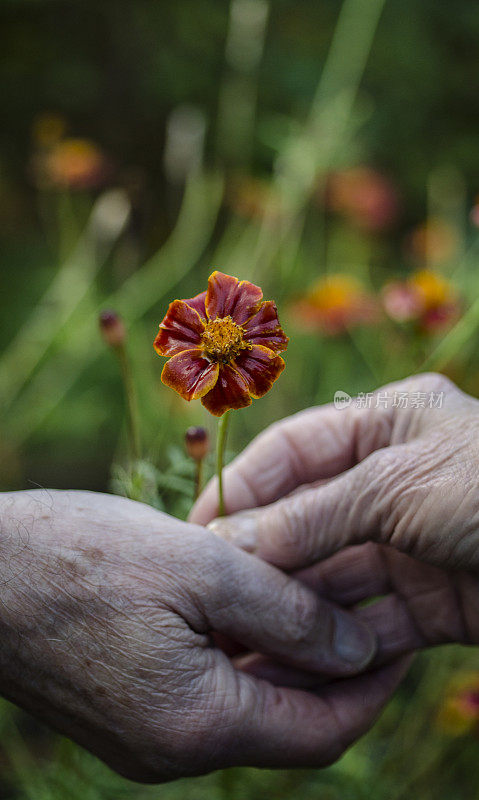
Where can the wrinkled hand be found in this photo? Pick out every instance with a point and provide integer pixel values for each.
(406, 479)
(106, 614)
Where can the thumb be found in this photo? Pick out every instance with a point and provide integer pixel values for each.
(269, 612)
(376, 500)
(273, 726)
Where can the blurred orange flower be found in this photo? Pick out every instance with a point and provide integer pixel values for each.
(223, 345)
(363, 195)
(253, 198)
(459, 712)
(433, 242)
(426, 298)
(72, 164)
(336, 303)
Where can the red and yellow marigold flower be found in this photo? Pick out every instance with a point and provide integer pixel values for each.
(222, 345)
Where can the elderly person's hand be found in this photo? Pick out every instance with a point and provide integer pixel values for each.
(405, 478)
(107, 609)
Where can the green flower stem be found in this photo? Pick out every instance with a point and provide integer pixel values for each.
(220, 452)
(198, 478)
(131, 404)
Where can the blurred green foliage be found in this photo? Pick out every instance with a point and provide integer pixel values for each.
(221, 127)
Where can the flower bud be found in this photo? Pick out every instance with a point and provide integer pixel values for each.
(112, 328)
(197, 443)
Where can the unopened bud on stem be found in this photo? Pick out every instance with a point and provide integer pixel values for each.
(197, 443)
(112, 328)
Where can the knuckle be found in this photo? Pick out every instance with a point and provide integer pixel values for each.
(380, 482)
(436, 381)
(427, 381)
(301, 621)
(375, 474)
(286, 530)
(213, 570)
(398, 490)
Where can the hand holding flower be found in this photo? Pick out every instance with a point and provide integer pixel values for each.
(402, 479)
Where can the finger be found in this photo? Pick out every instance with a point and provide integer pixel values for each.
(396, 634)
(385, 499)
(267, 669)
(425, 604)
(423, 607)
(281, 727)
(428, 615)
(354, 574)
(315, 444)
(350, 576)
(267, 611)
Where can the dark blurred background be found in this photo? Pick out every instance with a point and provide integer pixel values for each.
(325, 150)
(119, 73)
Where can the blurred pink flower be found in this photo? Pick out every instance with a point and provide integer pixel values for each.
(401, 301)
(425, 298)
(363, 195)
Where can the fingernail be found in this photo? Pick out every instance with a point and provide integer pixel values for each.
(239, 529)
(353, 643)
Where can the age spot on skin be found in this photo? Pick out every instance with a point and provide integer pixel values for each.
(94, 554)
(75, 569)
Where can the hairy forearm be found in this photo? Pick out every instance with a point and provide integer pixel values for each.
(40, 591)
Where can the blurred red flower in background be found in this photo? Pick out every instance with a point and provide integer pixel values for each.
(74, 164)
(223, 345)
(459, 713)
(334, 304)
(364, 196)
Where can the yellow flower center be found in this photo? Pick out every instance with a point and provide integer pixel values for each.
(223, 339)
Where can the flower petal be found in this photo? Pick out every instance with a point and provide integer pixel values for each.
(264, 328)
(259, 367)
(190, 374)
(181, 329)
(227, 296)
(198, 303)
(230, 391)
